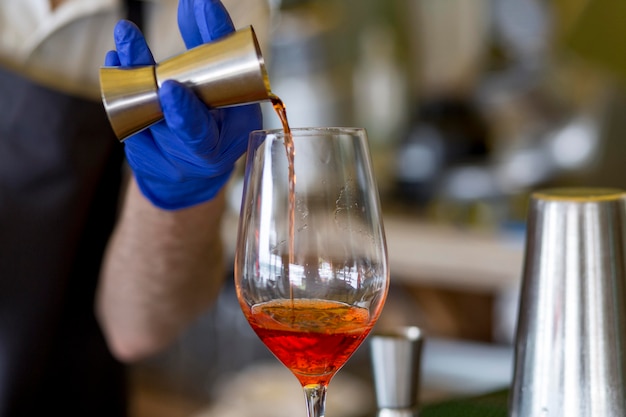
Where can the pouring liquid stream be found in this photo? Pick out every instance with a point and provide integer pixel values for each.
(290, 150)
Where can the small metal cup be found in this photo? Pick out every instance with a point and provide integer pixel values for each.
(396, 363)
(228, 72)
(570, 355)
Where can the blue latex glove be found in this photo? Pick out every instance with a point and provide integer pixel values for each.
(189, 156)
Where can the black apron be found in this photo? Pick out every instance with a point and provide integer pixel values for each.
(60, 174)
(60, 177)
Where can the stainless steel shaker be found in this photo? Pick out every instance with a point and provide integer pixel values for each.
(227, 72)
(396, 365)
(570, 353)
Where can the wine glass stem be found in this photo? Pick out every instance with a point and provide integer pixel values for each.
(315, 395)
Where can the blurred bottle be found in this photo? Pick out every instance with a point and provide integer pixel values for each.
(447, 45)
(446, 132)
(308, 64)
(381, 97)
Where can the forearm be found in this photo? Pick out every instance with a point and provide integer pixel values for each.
(161, 270)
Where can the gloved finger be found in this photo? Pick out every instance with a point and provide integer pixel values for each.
(236, 123)
(187, 24)
(111, 59)
(201, 21)
(131, 45)
(147, 159)
(212, 19)
(189, 118)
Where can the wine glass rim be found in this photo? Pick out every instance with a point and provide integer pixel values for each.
(304, 131)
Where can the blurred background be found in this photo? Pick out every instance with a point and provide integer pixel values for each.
(470, 105)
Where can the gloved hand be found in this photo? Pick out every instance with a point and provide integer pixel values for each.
(189, 156)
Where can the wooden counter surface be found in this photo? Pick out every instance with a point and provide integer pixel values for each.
(440, 256)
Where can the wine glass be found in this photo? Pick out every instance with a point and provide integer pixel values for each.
(311, 269)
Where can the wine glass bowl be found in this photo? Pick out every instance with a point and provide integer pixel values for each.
(311, 269)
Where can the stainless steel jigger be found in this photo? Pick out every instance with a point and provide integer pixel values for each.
(570, 357)
(396, 363)
(228, 72)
